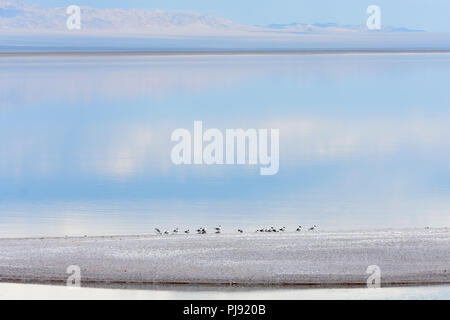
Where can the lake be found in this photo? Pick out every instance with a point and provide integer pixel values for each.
(85, 142)
(39, 292)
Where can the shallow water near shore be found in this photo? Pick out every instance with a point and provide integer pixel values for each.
(85, 142)
(28, 291)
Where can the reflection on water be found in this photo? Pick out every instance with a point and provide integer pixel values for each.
(27, 291)
(85, 142)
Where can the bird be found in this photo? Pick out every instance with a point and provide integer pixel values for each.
(299, 229)
(201, 230)
(175, 231)
(186, 231)
(312, 228)
(158, 231)
(166, 232)
(240, 231)
(218, 229)
(283, 229)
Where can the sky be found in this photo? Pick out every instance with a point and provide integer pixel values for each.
(429, 15)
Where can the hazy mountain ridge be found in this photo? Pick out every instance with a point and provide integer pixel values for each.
(16, 16)
(331, 27)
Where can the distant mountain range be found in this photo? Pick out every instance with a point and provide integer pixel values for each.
(331, 27)
(18, 17)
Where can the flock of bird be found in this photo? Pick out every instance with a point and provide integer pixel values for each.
(218, 229)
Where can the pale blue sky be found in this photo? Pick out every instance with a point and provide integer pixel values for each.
(430, 15)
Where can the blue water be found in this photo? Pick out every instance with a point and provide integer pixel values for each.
(27, 291)
(85, 142)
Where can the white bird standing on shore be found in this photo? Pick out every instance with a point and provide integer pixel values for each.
(202, 230)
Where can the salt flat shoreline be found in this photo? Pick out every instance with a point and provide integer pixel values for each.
(328, 259)
(146, 53)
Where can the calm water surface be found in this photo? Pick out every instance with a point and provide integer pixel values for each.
(26, 291)
(85, 142)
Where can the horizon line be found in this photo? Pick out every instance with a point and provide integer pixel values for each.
(175, 52)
